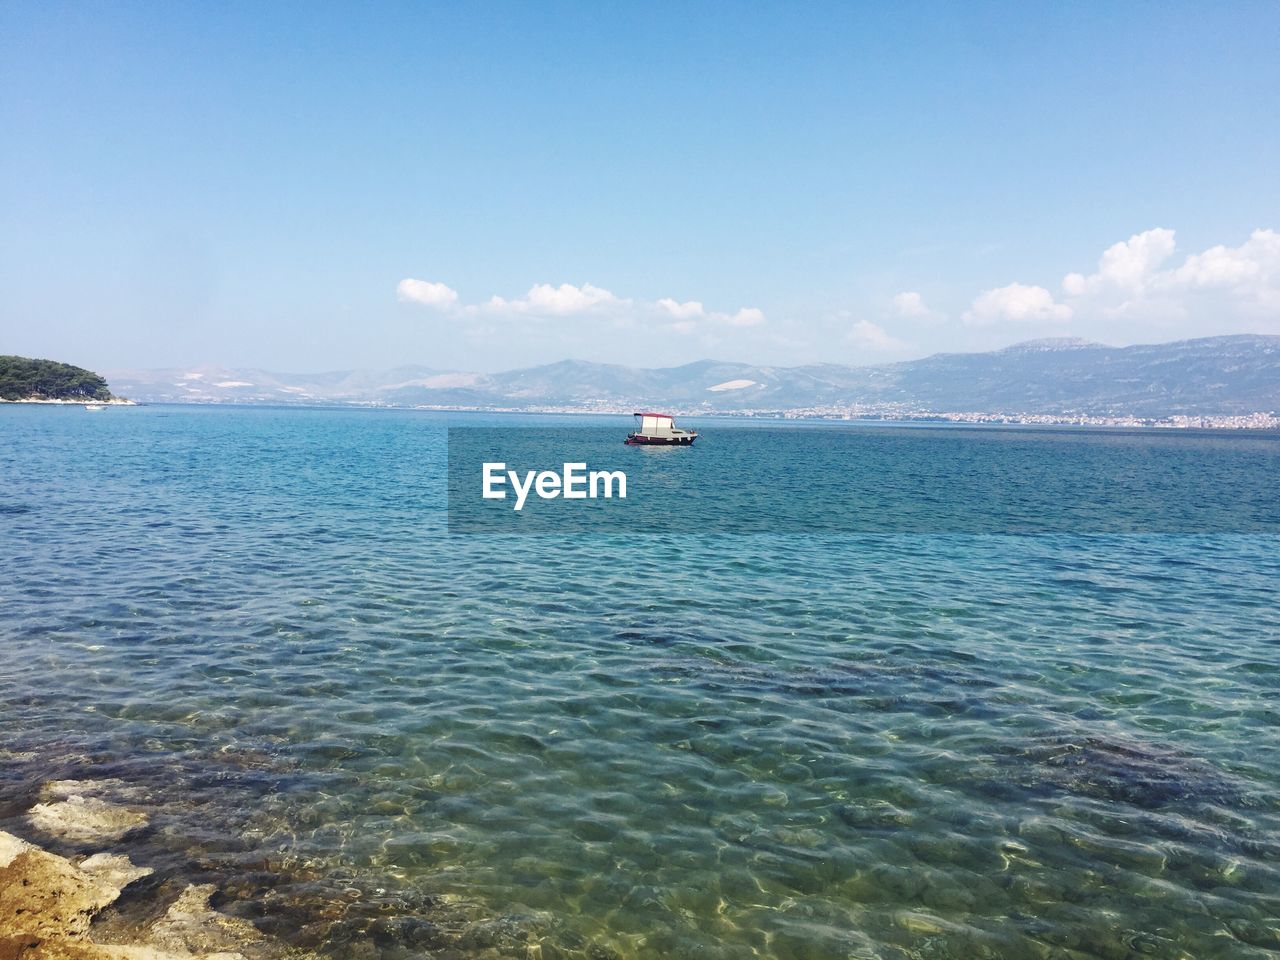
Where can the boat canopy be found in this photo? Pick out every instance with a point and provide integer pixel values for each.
(654, 424)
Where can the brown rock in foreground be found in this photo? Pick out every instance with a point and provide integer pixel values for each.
(47, 904)
(45, 897)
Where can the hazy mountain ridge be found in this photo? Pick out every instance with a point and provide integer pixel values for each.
(1208, 376)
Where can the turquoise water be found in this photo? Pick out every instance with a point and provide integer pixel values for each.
(388, 742)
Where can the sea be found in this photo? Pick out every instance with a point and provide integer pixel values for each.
(834, 732)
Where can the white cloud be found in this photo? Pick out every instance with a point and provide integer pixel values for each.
(1239, 283)
(872, 336)
(691, 316)
(565, 300)
(568, 300)
(1143, 287)
(435, 295)
(1016, 303)
(911, 306)
(1252, 268)
(1126, 266)
(746, 317)
(681, 311)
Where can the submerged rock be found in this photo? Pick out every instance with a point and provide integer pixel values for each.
(113, 868)
(83, 819)
(192, 927)
(1124, 770)
(509, 935)
(116, 789)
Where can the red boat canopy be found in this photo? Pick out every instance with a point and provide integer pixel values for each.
(664, 416)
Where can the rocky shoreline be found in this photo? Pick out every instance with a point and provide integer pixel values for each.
(106, 867)
(55, 907)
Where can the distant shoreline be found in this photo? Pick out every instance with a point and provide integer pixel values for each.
(1262, 422)
(61, 402)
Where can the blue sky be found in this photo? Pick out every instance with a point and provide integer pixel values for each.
(315, 186)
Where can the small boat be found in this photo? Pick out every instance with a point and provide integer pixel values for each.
(95, 406)
(659, 429)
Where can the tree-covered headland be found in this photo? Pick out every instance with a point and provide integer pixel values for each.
(22, 378)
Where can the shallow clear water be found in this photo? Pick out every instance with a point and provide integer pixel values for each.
(383, 740)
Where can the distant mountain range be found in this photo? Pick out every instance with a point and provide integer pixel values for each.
(1208, 376)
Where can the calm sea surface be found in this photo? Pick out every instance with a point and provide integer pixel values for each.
(386, 741)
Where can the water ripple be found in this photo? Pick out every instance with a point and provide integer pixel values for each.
(377, 738)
